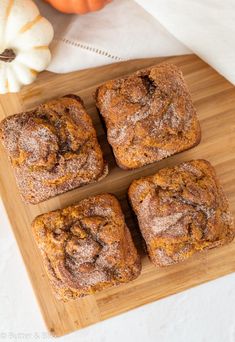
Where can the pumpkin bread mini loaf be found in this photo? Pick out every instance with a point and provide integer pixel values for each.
(149, 115)
(52, 148)
(181, 210)
(86, 247)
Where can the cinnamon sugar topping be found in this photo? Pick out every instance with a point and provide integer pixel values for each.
(53, 149)
(181, 210)
(87, 247)
(149, 115)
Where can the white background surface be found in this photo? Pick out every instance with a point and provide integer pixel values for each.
(202, 314)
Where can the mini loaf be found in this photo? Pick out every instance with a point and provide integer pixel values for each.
(52, 148)
(149, 115)
(86, 247)
(181, 210)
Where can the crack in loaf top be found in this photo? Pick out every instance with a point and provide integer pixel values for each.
(52, 148)
(149, 115)
(86, 247)
(181, 210)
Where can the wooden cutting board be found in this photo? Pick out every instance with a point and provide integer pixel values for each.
(214, 99)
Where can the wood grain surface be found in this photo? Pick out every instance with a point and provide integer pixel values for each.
(214, 99)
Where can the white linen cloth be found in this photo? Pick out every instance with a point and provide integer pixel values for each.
(122, 30)
(207, 27)
(128, 29)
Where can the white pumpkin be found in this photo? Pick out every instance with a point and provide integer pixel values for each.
(24, 39)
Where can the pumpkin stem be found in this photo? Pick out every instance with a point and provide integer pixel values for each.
(8, 55)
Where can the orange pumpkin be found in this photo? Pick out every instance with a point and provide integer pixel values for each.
(78, 6)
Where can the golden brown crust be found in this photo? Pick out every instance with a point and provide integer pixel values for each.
(149, 115)
(181, 210)
(52, 148)
(86, 247)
